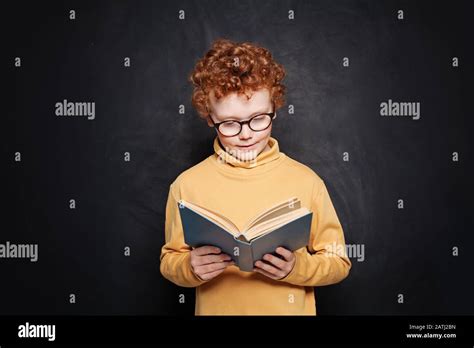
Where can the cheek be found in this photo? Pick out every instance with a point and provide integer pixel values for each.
(225, 141)
(265, 133)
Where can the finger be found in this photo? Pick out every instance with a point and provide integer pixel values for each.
(211, 275)
(265, 273)
(276, 261)
(269, 268)
(207, 249)
(210, 258)
(213, 267)
(287, 254)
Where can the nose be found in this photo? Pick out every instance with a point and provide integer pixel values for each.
(246, 132)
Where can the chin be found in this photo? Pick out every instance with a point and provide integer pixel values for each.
(250, 153)
(246, 153)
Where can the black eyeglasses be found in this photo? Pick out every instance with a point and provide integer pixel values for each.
(257, 123)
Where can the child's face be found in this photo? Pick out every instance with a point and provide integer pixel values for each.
(239, 108)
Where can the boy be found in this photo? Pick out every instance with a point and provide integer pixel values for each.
(237, 90)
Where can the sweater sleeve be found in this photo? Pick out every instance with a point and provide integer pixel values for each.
(175, 255)
(324, 261)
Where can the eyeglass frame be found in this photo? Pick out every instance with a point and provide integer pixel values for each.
(241, 123)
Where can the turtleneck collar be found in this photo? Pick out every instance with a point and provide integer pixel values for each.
(263, 157)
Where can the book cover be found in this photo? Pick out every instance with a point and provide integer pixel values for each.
(200, 230)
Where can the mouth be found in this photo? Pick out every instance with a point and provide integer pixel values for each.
(246, 146)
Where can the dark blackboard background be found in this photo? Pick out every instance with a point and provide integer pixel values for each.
(337, 109)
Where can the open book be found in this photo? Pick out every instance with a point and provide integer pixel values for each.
(286, 224)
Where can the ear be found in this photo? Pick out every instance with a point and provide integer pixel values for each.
(209, 123)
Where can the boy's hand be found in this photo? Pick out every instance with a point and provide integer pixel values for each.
(208, 262)
(276, 268)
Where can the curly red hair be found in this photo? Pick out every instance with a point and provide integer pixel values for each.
(235, 67)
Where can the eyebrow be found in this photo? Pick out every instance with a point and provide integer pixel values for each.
(228, 118)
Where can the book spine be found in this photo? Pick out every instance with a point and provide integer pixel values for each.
(245, 257)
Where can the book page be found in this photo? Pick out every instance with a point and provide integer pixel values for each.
(278, 209)
(214, 217)
(286, 209)
(275, 223)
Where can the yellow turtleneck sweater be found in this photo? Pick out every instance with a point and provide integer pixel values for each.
(240, 190)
